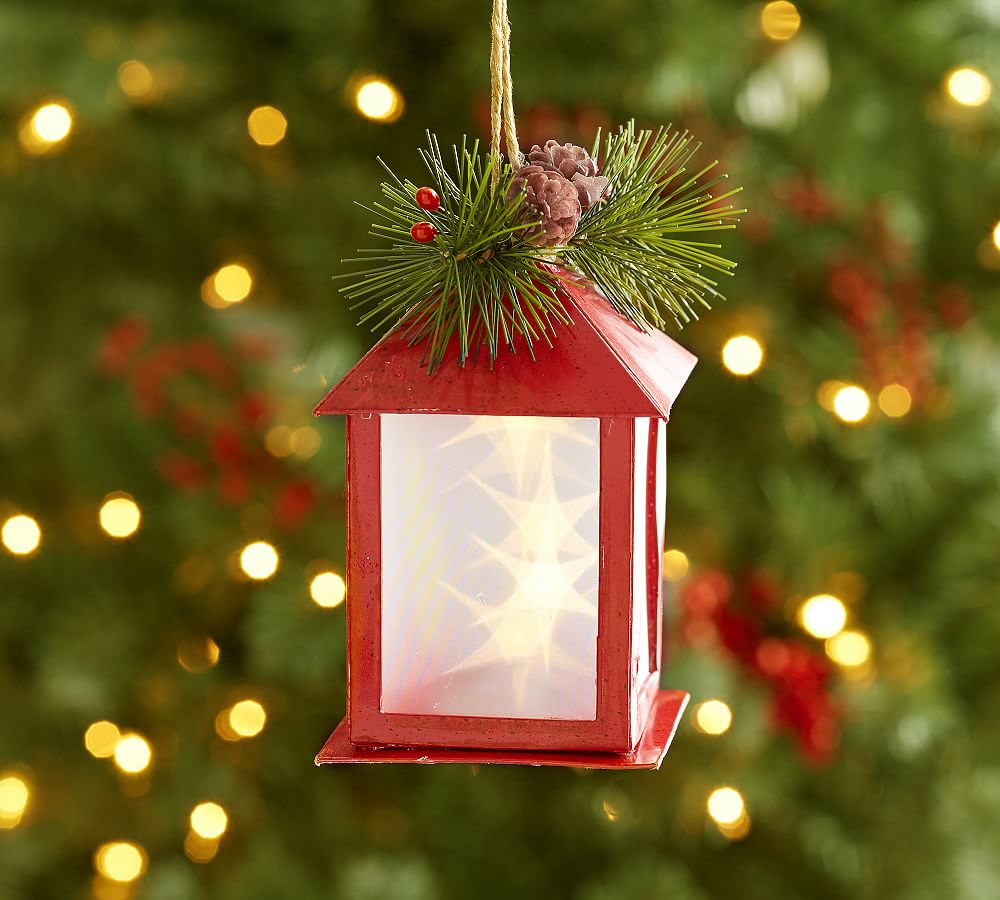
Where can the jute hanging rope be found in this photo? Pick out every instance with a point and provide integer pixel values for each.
(502, 92)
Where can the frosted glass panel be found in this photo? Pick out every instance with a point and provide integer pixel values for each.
(640, 554)
(490, 566)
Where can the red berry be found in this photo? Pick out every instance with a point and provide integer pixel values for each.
(423, 232)
(428, 198)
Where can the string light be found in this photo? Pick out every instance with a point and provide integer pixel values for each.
(780, 20)
(14, 797)
(713, 717)
(135, 79)
(101, 739)
(120, 861)
(246, 719)
(209, 820)
(851, 404)
(47, 127)
(120, 515)
(742, 355)
(675, 565)
(21, 535)
(259, 560)
(267, 125)
(823, 615)
(198, 654)
(968, 86)
(849, 648)
(232, 283)
(894, 400)
(725, 805)
(133, 754)
(327, 589)
(996, 235)
(377, 99)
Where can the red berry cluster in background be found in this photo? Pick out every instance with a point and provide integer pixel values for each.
(716, 613)
(215, 421)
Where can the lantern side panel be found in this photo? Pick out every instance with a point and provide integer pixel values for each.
(490, 565)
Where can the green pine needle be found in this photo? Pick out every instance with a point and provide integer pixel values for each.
(482, 281)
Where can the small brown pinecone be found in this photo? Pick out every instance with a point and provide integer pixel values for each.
(551, 197)
(577, 165)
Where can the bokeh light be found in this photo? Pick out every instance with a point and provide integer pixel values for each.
(851, 404)
(849, 648)
(232, 283)
(713, 717)
(742, 355)
(305, 442)
(278, 440)
(199, 849)
(246, 718)
(101, 739)
(823, 615)
(725, 805)
(120, 515)
(120, 861)
(377, 99)
(675, 565)
(198, 654)
(259, 560)
(21, 535)
(51, 123)
(135, 79)
(780, 20)
(996, 235)
(14, 797)
(209, 820)
(327, 589)
(133, 754)
(968, 86)
(267, 125)
(894, 400)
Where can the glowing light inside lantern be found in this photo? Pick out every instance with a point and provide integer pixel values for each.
(377, 99)
(713, 717)
(21, 535)
(823, 616)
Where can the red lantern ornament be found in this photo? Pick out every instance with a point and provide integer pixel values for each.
(429, 199)
(505, 531)
(423, 232)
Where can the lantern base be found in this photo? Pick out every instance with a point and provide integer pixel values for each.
(648, 754)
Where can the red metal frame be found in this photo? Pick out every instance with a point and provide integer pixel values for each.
(623, 700)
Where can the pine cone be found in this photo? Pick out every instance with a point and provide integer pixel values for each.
(577, 165)
(552, 197)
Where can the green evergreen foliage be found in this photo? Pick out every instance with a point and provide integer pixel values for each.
(873, 199)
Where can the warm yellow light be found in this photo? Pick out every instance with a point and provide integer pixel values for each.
(894, 400)
(247, 718)
(209, 820)
(737, 830)
(120, 861)
(327, 589)
(278, 440)
(713, 717)
(133, 754)
(135, 79)
(780, 20)
(101, 739)
(267, 125)
(851, 404)
(14, 796)
(232, 283)
(377, 99)
(849, 648)
(198, 654)
(120, 515)
(823, 616)
(259, 560)
(199, 849)
(21, 535)
(742, 355)
(996, 235)
(305, 442)
(675, 565)
(51, 123)
(726, 806)
(826, 393)
(968, 86)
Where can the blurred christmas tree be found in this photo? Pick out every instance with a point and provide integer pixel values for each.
(176, 189)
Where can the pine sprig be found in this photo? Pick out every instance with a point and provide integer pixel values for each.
(479, 280)
(482, 282)
(642, 245)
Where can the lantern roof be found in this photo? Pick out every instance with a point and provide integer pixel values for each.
(602, 365)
